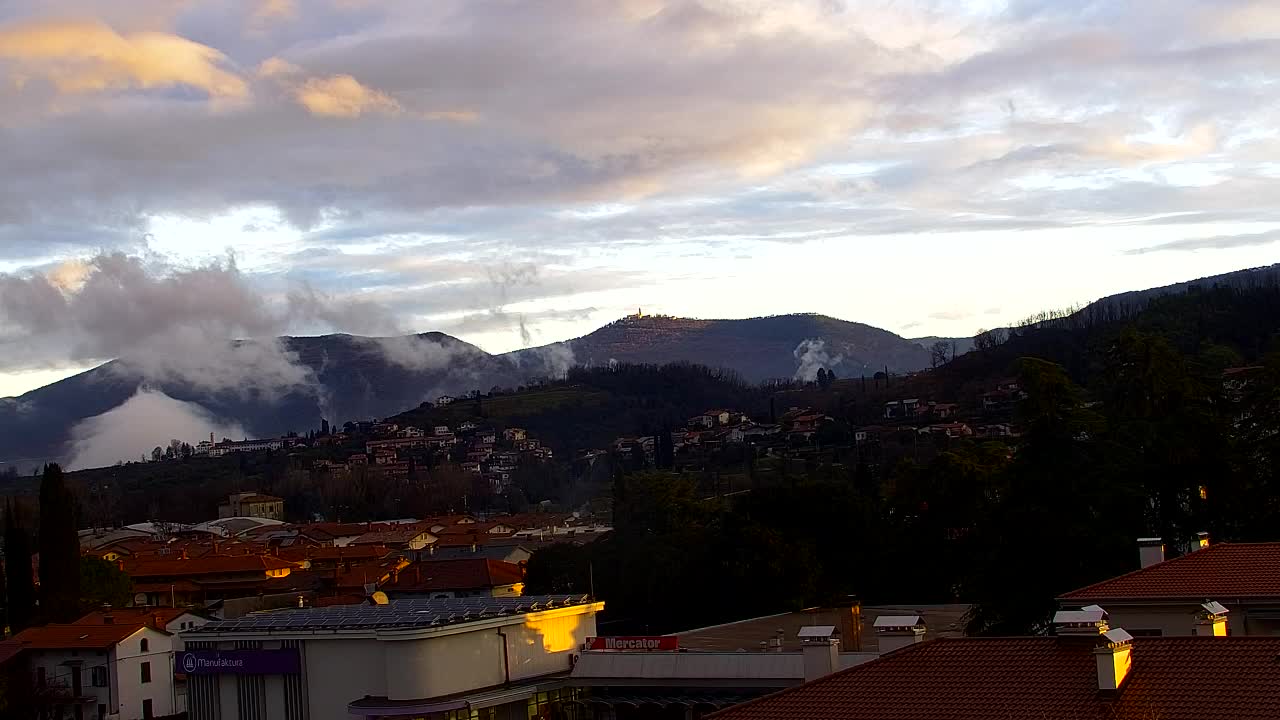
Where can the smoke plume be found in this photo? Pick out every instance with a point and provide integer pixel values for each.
(811, 355)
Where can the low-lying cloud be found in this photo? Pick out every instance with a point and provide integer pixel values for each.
(148, 419)
(167, 323)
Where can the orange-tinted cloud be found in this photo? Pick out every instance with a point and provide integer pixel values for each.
(344, 96)
(78, 57)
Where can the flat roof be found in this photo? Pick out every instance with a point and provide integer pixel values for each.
(942, 621)
(396, 615)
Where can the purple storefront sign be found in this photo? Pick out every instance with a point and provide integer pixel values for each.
(239, 662)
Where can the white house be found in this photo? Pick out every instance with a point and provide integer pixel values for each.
(114, 671)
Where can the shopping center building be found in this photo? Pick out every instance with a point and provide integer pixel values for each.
(481, 658)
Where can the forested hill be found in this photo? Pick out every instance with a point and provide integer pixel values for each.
(1159, 418)
(757, 349)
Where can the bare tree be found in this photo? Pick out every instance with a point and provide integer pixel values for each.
(939, 353)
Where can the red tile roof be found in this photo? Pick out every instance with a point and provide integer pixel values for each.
(1045, 678)
(397, 536)
(207, 565)
(1225, 570)
(58, 637)
(154, 616)
(459, 574)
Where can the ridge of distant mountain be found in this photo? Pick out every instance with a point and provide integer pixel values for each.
(347, 377)
(352, 377)
(758, 349)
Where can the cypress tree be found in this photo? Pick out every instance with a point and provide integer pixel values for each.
(59, 549)
(20, 593)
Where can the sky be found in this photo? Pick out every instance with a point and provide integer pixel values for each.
(516, 173)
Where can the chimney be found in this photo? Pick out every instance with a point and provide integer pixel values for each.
(1201, 542)
(821, 651)
(1114, 658)
(108, 618)
(1211, 621)
(1150, 551)
(894, 632)
(155, 622)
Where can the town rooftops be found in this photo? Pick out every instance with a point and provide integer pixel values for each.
(455, 574)
(207, 565)
(76, 636)
(394, 536)
(1171, 678)
(395, 615)
(1224, 570)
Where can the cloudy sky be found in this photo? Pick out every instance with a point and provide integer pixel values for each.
(517, 172)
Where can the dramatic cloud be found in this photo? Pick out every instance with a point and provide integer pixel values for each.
(715, 157)
(147, 419)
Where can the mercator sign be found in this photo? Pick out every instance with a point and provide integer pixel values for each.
(639, 643)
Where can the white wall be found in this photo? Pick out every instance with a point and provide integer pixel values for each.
(543, 644)
(443, 665)
(339, 671)
(132, 691)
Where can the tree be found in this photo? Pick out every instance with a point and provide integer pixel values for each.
(990, 339)
(938, 353)
(20, 594)
(157, 454)
(59, 549)
(102, 583)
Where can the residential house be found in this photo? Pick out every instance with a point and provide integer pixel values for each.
(394, 444)
(441, 430)
(409, 537)
(704, 421)
(252, 504)
(1167, 597)
(412, 432)
(514, 435)
(951, 430)
(118, 670)
(333, 533)
(943, 411)
(171, 620)
(226, 447)
(461, 577)
(444, 400)
(189, 581)
(998, 430)
(514, 554)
